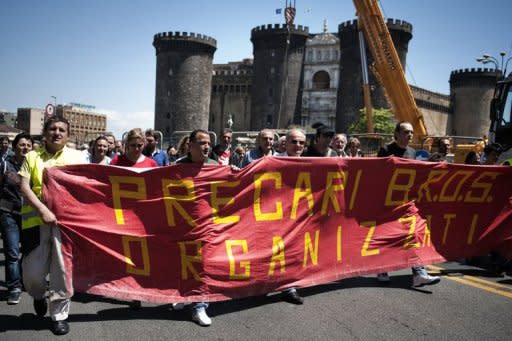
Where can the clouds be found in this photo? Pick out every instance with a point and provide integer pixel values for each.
(121, 122)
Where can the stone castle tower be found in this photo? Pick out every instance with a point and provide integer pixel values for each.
(471, 93)
(350, 93)
(184, 67)
(277, 75)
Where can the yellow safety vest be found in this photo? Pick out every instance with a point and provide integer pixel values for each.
(29, 217)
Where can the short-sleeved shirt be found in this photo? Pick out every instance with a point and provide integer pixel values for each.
(393, 149)
(161, 157)
(38, 159)
(123, 161)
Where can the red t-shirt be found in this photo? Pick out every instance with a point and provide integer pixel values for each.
(122, 160)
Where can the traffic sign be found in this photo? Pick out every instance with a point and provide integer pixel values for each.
(49, 110)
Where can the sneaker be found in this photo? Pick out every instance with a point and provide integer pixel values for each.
(422, 278)
(178, 306)
(383, 278)
(40, 306)
(292, 296)
(199, 315)
(14, 297)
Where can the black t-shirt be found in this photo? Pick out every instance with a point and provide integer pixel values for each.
(313, 152)
(393, 149)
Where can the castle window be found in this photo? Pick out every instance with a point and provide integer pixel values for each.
(168, 115)
(321, 80)
(272, 70)
(310, 56)
(270, 92)
(318, 55)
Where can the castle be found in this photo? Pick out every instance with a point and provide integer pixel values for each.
(298, 78)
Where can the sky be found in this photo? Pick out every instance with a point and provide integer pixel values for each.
(100, 53)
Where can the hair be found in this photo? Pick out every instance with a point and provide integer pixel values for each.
(193, 134)
(56, 119)
(353, 140)
(182, 144)
(437, 157)
(135, 133)
(397, 127)
(151, 132)
(239, 149)
(291, 131)
(20, 136)
(260, 134)
(227, 130)
(472, 155)
(101, 137)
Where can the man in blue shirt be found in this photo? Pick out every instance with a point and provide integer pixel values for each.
(152, 150)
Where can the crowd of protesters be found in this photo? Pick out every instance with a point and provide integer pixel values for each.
(21, 206)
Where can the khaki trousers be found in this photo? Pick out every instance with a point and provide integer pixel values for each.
(46, 259)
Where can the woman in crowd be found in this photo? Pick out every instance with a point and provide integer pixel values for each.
(10, 218)
(472, 158)
(354, 146)
(99, 152)
(133, 157)
(183, 146)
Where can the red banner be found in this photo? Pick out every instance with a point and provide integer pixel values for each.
(186, 233)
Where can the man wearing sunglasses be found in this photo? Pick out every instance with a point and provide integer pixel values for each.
(295, 142)
(323, 139)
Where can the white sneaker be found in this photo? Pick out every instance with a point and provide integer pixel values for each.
(383, 278)
(178, 306)
(422, 278)
(199, 315)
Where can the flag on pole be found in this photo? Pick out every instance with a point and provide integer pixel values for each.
(278, 10)
(289, 15)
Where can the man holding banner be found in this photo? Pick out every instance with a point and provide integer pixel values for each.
(41, 239)
(400, 148)
(199, 149)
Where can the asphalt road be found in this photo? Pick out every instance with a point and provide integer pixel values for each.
(468, 304)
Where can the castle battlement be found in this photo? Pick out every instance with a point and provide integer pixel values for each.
(394, 24)
(279, 29)
(475, 71)
(185, 36)
(476, 77)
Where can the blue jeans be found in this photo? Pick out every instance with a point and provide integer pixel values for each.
(11, 236)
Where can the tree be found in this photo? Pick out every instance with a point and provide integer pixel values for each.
(383, 122)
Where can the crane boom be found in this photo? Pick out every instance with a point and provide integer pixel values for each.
(387, 66)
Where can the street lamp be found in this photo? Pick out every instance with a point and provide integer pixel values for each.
(502, 67)
(54, 100)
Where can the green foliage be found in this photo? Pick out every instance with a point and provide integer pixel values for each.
(383, 122)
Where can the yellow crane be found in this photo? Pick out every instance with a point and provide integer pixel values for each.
(387, 67)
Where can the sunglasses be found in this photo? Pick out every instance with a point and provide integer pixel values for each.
(298, 142)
